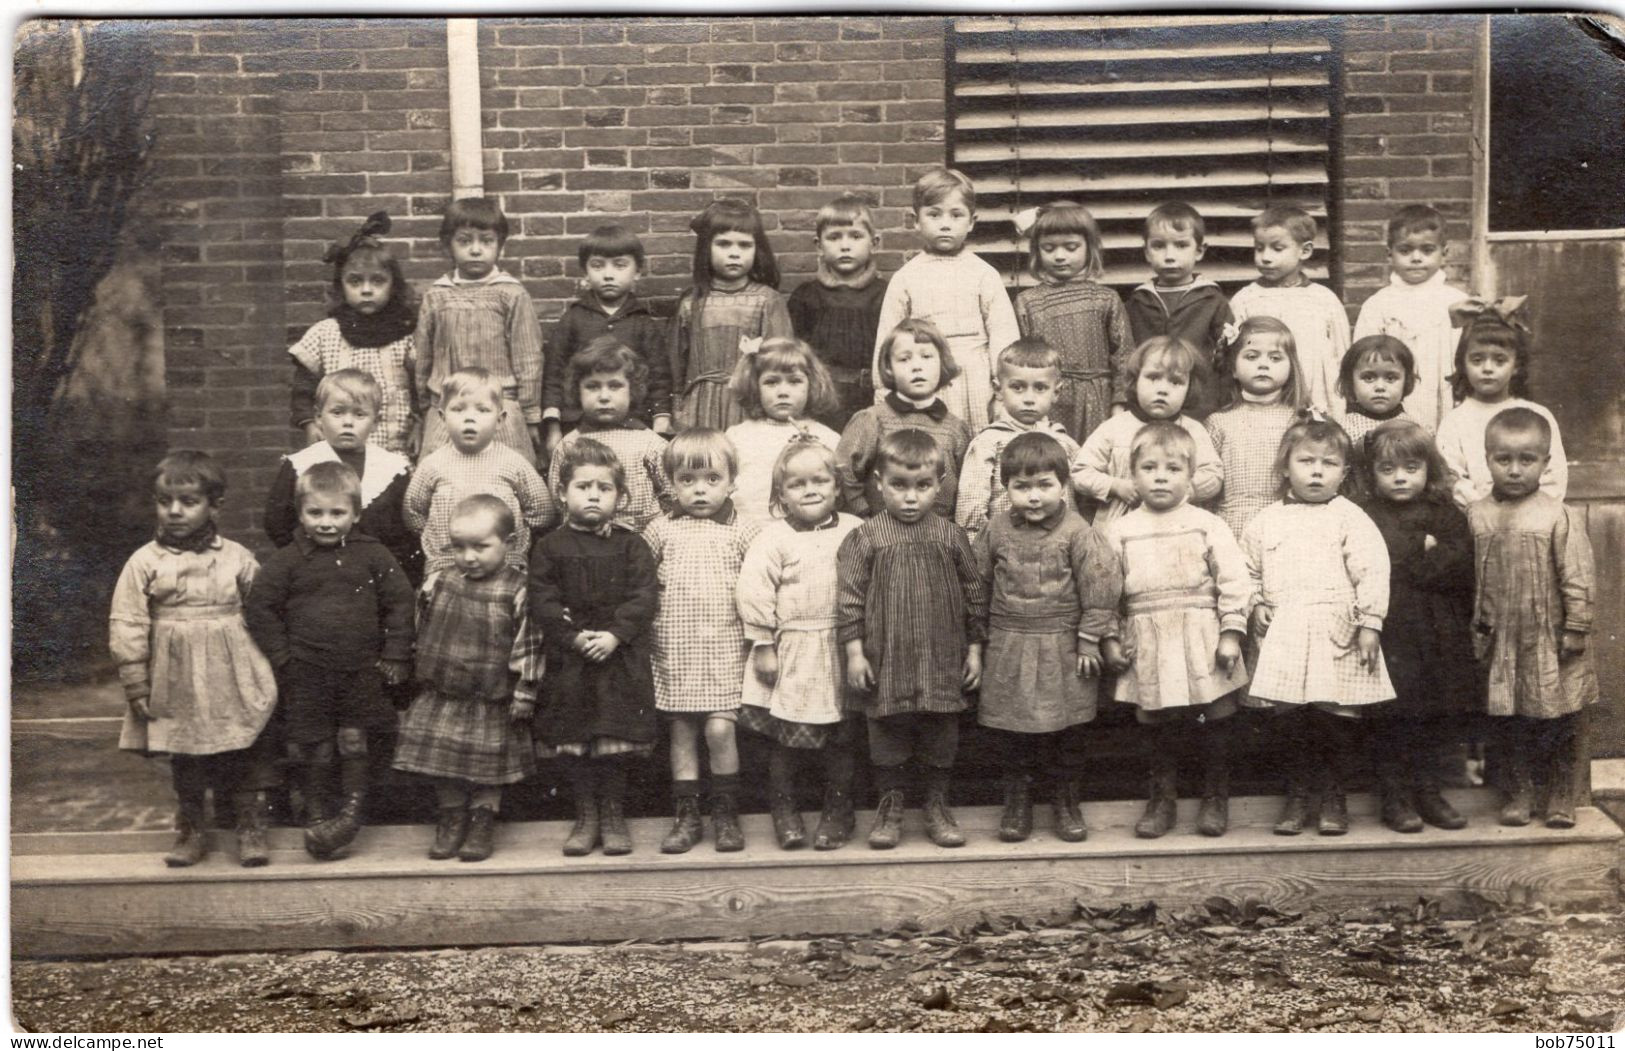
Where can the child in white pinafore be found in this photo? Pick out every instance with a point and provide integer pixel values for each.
(795, 691)
(780, 385)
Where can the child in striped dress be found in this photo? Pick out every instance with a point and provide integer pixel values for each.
(479, 664)
(795, 693)
(478, 316)
(607, 382)
(781, 385)
(699, 641)
(735, 298)
(911, 621)
(1073, 312)
(1260, 367)
(1320, 569)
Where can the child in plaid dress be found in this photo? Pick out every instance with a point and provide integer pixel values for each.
(699, 641)
(479, 664)
(782, 386)
(1320, 569)
(794, 692)
(1260, 366)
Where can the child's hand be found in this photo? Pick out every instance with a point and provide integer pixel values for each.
(598, 645)
(1368, 643)
(1228, 651)
(313, 433)
(767, 664)
(662, 425)
(141, 709)
(535, 432)
(1571, 645)
(1088, 665)
(973, 667)
(1429, 542)
(520, 712)
(859, 675)
(395, 672)
(552, 434)
(1124, 490)
(1263, 613)
(1111, 654)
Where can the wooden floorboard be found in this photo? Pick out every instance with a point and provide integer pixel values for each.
(109, 893)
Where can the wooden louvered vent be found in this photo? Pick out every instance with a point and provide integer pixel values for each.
(1227, 113)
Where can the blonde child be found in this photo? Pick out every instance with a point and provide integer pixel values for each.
(1492, 375)
(916, 366)
(953, 289)
(1376, 375)
(1260, 365)
(1414, 308)
(910, 618)
(1320, 571)
(472, 412)
(368, 327)
(781, 386)
(1177, 301)
(734, 301)
(1029, 377)
(1177, 654)
(838, 312)
(1073, 312)
(1426, 644)
(794, 691)
(478, 316)
(699, 642)
(198, 688)
(332, 612)
(1531, 616)
(1041, 670)
(612, 260)
(608, 382)
(593, 594)
(479, 665)
(1283, 241)
(1160, 376)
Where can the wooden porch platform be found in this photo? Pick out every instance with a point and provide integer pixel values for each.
(88, 894)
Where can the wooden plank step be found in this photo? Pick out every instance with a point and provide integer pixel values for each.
(93, 894)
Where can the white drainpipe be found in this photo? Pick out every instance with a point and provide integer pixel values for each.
(463, 75)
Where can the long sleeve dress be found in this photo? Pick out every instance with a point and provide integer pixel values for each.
(1087, 325)
(1104, 458)
(1461, 446)
(1320, 328)
(642, 455)
(1246, 437)
(982, 497)
(703, 343)
(1419, 317)
(759, 443)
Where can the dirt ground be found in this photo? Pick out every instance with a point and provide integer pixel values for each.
(1225, 966)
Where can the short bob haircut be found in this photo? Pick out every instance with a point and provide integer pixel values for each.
(782, 354)
(471, 380)
(1062, 219)
(1488, 330)
(1164, 436)
(1375, 349)
(1177, 216)
(1029, 352)
(190, 467)
(700, 449)
(477, 213)
(354, 385)
(935, 185)
(916, 330)
(849, 209)
(1401, 441)
(585, 452)
(910, 449)
(331, 478)
(1180, 356)
(609, 242)
(1296, 392)
(1034, 453)
(1519, 420)
(730, 215)
(1415, 219)
(1295, 221)
(486, 504)
(1314, 429)
(803, 446)
(603, 355)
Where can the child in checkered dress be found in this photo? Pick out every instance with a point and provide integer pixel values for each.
(1320, 568)
(794, 692)
(1260, 366)
(699, 641)
(479, 664)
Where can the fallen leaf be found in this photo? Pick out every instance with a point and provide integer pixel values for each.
(1519, 967)
(1371, 1014)
(864, 963)
(795, 979)
(380, 1018)
(937, 1000)
(1601, 1023)
(864, 1023)
(1505, 1007)
(1220, 931)
(617, 1016)
(1138, 1023)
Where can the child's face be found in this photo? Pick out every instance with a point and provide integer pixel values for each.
(606, 397)
(1160, 388)
(1416, 257)
(944, 225)
(327, 518)
(472, 420)
(1277, 255)
(808, 492)
(1314, 471)
(1262, 367)
(1400, 481)
(1173, 254)
(733, 253)
(1379, 385)
(182, 509)
(783, 393)
(367, 286)
(702, 490)
(1162, 477)
(474, 252)
(610, 278)
(846, 249)
(1489, 370)
(916, 367)
(1027, 394)
(1517, 459)
(591, 496)
(908, 492)
(477, 548)
(1036, 496)
(345, 424)
(1063, 256)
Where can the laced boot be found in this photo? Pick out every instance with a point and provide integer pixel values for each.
(1296, 809)
(1398, 799)
(1560, 786)
(252, 849)
(191, 834)
(788, 828)
(450, 829)
(887, 831)
(482, 834)
(1069, 824)
(1016, 823)
(728, 837)
(1161, 805)
(687, 829)
(1213, 817)
(1334, 811)
(318, 791)
(612, 809)
(1517, 792)
(584, 835)
(1431, 804)
(940, 825)
(837, 821)
(337, 832)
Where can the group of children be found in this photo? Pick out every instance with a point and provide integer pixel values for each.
(844, 519)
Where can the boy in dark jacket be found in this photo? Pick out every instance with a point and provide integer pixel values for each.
(1176, 302)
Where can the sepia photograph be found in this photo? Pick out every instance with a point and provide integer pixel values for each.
(818, 522)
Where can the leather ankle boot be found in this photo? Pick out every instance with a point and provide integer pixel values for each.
(1016, 823)
(686, 828)
(837, 821)
(940, 826)
(337, 832)
(450, 829)
(481, 839)
(1161, 802)
(1069, 823)
(252, 849)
